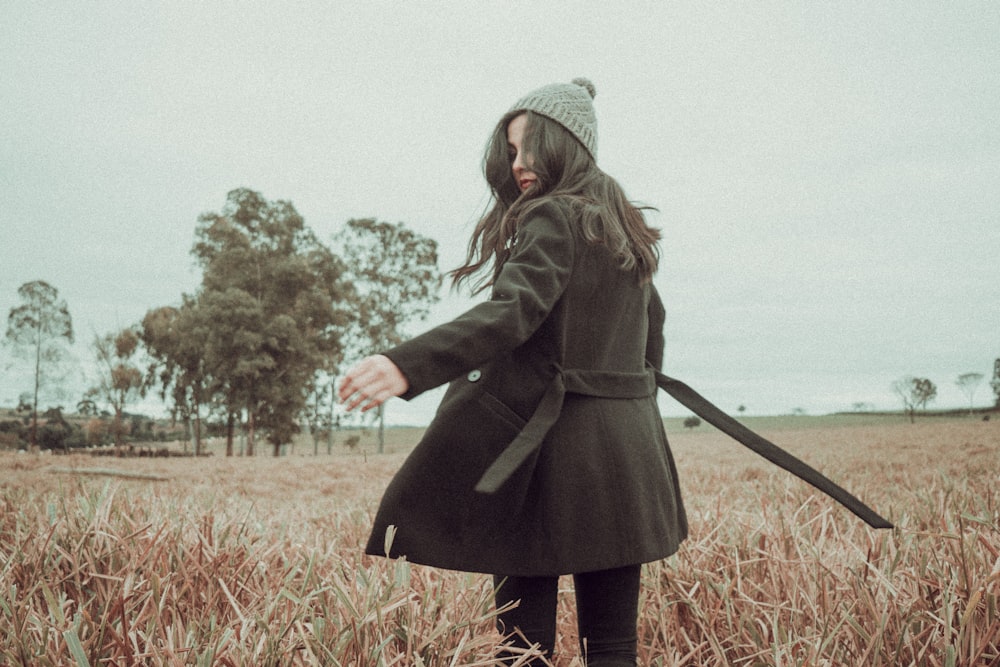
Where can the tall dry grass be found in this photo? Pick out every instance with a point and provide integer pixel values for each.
(258, 562)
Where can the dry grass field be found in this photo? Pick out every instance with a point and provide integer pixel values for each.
(258, 561)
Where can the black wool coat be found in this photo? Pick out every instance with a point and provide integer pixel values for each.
(547, 454)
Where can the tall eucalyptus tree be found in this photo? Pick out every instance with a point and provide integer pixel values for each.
(277, 303)
(40, 331)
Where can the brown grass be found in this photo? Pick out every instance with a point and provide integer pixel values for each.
(258, 561)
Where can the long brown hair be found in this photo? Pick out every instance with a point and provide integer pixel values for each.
(564, 170)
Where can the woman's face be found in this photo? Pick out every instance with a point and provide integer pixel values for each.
(519, 162)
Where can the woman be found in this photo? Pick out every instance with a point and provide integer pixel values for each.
(547, 455)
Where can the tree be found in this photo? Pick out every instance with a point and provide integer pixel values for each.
(121, 380)
(395, 273)
(175, 341)
(692, 422)
(320, 412)
(915, 393)
(277, 303)
(968, 383)
(995, 382)
(39, 331)
(56, 431)
(86, 408)
(95, 431)
(11, 434)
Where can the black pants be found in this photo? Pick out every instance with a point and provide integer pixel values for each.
(607, 607)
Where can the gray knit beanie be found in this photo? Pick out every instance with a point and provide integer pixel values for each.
(569, 104)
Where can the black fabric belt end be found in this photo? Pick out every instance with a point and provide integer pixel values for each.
(699, 405)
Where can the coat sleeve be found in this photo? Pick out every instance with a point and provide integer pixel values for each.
(528, 286)
(654, 335)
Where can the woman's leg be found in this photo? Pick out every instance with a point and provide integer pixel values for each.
(534, 616)
(607, 609)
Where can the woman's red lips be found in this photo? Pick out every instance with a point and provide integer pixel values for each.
(525, 183)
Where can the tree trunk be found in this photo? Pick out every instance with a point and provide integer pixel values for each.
(34, 405)
(197, 431)
(250, 433)
(329, 431)
(381, 428)
(229, 434)
(118, 426)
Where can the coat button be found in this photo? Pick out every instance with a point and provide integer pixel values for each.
(475, 375)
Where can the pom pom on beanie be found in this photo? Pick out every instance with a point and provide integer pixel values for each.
(586, 83)
(569, 104)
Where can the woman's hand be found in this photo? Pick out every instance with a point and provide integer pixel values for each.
(371, 382)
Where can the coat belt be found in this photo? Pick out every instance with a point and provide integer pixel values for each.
(639, 385)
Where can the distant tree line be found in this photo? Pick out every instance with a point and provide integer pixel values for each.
(917, 392)
(59, 432)
(257, 346)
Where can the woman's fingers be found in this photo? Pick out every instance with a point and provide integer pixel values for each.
(356, 379)
(371, 382)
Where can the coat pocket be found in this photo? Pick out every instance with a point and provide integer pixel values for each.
(499, 409)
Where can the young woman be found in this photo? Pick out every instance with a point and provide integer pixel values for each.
(547, 455)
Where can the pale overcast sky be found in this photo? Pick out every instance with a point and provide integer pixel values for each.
(827, 174)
